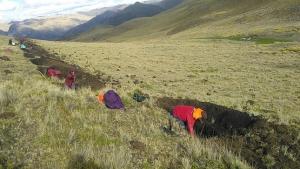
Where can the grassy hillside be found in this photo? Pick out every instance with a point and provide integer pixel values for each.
(94, 33)
(115, 18)
(50, 127)
(45, 126)
(261, 79)
(220, 71)
(202, 52)
(212, 18)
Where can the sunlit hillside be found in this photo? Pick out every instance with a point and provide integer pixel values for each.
(210, 18)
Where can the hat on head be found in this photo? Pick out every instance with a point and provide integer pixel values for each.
(197, 114)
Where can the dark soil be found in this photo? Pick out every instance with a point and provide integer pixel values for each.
(263, 144)
(5, 58)
(44, 60)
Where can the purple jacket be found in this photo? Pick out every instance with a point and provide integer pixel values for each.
(112, 100)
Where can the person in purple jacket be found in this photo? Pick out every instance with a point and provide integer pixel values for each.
(111, 100)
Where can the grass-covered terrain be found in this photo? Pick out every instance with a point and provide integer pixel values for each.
(258, 78)
(238, 58)
(229, 73)
(45, 126)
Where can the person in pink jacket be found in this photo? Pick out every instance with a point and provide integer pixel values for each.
(70, 80)
(52, 72)
(188, 115)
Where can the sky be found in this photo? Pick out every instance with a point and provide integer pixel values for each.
(17, 10)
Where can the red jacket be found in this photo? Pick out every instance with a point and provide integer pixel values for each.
(70, 80)
(51, 72)
(185, 114)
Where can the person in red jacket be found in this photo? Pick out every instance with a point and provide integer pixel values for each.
(52, 72)
(188, 115)
(70, 80)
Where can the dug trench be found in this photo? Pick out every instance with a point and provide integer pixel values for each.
(261, 143)
(43, 59)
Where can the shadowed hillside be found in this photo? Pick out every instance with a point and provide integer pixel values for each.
(115, 18)
(214, 18)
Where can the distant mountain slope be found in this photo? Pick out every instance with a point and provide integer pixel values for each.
(3, 32)
(134, 11)
(210, 18)
(47, 29)
(54, 27)
(96, 12)
(4, 26)
(100, 19)
(115, 18)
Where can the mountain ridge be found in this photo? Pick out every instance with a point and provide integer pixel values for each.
(133, 11)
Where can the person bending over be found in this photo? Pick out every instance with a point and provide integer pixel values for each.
(187, 115)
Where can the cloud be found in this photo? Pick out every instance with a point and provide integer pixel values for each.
(25, 9)
(7, 5)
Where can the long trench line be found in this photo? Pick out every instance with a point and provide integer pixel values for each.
(43, 59)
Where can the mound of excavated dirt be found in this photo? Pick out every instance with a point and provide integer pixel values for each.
(263, 144)
(43, 60)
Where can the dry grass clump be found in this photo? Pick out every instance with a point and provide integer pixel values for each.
(7, 97)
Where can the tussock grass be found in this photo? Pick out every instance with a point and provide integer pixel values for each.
(67, 125)
(46, 126)
(261, 79)
(57, 128)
